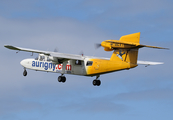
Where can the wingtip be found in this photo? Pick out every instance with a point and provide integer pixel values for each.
(11, 47)
(6, 45)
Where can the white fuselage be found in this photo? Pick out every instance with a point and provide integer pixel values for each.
(48, 66)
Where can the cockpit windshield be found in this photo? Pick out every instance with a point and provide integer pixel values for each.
(42, 58)
(36, 58)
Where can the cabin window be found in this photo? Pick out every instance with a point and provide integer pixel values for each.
(78, 62)
(48, 59)
(42, 58)
(89, 63)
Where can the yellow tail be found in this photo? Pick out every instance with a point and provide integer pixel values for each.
(127, 55)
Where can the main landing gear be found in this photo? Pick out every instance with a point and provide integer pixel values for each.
(24, 72)
(61, 78)
(97, 82)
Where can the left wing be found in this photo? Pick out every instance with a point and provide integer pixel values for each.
(54, 54)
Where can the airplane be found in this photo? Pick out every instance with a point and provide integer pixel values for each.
(124, 57)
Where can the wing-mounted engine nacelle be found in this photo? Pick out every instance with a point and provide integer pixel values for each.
(43, 57)
(53, 59)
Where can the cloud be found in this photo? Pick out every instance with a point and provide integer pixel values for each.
(96, 105)
(46, 34)
(159, 95)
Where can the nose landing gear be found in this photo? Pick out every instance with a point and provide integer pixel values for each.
(24, 72)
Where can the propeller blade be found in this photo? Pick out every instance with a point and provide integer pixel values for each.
(97, 45)
(56, 49)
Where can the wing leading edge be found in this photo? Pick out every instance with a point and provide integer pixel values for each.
(54, 54)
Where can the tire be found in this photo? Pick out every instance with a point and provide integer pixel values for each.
(24, 73)
(63, 79)
(94, 82)
(98, 82)
(59, 79)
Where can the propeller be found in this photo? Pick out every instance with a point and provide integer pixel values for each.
(56, 49)
(97, 45)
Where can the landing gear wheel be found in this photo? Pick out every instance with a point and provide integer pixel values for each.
(96, 82)
(24, 73)
(61, 79)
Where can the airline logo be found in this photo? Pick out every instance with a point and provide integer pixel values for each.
(49, 65)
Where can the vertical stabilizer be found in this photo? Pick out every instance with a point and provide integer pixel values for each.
(133, 38)
(127, 55)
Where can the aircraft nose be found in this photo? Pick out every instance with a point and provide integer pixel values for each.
(104, 44)
(24, 62)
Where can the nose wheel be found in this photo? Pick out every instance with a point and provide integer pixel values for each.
(24, 72)
(61, 79)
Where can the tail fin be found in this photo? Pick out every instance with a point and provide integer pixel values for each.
(127, 55)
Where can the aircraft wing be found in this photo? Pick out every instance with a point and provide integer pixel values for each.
(67, 56)
(147, 63)
(134, 44)
(25, 49)
(54, 54)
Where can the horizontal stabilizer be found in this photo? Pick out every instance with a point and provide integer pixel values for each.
(147, 63)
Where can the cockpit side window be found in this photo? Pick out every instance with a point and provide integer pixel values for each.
(89, 63)
(48, 59)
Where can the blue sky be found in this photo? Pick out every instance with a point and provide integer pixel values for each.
(75, 26)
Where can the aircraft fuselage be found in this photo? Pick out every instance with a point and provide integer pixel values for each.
(88, 67)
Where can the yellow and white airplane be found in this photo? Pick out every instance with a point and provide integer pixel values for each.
(124, 57)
